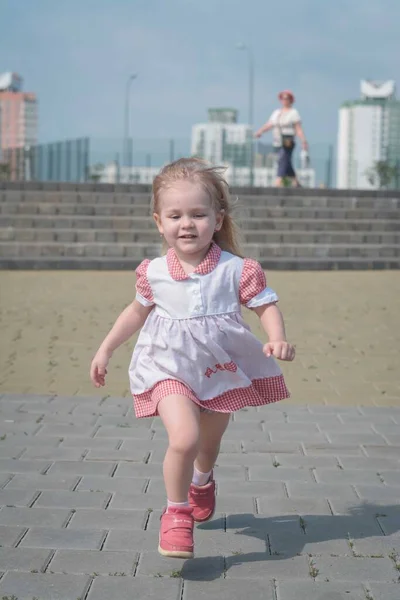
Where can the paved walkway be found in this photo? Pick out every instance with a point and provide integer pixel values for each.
(308, 505)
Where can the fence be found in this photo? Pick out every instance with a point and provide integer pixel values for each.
(138, 161)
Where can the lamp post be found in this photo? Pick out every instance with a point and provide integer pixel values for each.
(125, 152)
(247, 49)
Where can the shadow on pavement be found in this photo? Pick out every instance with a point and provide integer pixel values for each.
(287, 536)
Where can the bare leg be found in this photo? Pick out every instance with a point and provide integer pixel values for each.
(212, 428)
(278, 182)
(181, 418)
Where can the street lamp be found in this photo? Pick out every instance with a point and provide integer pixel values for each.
(247, 49)
(126, 120)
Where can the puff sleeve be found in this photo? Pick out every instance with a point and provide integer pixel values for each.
(253, 289)
(144, 293)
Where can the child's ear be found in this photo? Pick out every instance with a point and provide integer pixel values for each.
(220, 220)
(157, 219)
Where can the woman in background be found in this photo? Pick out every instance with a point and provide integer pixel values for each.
(286, 124)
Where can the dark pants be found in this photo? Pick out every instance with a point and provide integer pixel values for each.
(285, 167)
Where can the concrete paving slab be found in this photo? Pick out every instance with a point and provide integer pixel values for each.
(128, 588)
(23, 466)
(24, 481)
(354, 569)
(127, 520)
(113, 484)
(292, 506)
(377, 547)
(263, 566)
(79, 539)
(152, 564)
(86, 467)
(23, 559)
(229, 589)
(52, 499)
(34, 517)
(17, 497)
(9, 536)
(384, 591)
(133, 540)
(94, 562)
(312, 590)
(26, 586)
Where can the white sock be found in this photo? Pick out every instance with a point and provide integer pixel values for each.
(176, 504)
(200, 478)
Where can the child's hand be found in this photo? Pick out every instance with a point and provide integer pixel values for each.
(281, 350)
(98, 368)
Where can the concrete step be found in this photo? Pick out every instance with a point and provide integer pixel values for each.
(266, 199)
(265, 212)
(152, 236)
(272, 263)
(140, 223)
(143, 250)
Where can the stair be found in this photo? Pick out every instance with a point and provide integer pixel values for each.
(94, 226)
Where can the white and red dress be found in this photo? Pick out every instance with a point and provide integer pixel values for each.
(195, 341)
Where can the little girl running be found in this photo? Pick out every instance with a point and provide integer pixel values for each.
(196, 360)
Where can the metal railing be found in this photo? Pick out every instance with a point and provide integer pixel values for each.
(101, 160)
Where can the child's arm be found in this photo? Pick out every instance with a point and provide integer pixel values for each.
(273, 325)
(129, 322)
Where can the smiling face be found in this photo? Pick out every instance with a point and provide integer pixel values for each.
(187, 218)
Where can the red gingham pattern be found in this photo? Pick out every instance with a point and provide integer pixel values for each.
(260, 392)
(252, 282)
(142, 285)
(207, 265)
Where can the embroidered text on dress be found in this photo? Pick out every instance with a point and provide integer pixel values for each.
(230, 366)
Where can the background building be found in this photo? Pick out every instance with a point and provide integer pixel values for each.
(222, 139)
(18, 121)
(18, 125)
(369, 133)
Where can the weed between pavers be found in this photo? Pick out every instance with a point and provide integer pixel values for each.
(351, 542)
(313, 569)
(176, 574)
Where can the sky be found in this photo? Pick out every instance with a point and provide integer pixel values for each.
(77, 55)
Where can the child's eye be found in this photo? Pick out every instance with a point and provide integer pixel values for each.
(199, 216)
(175, 217)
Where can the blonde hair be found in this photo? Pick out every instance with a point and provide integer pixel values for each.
(212, 180)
